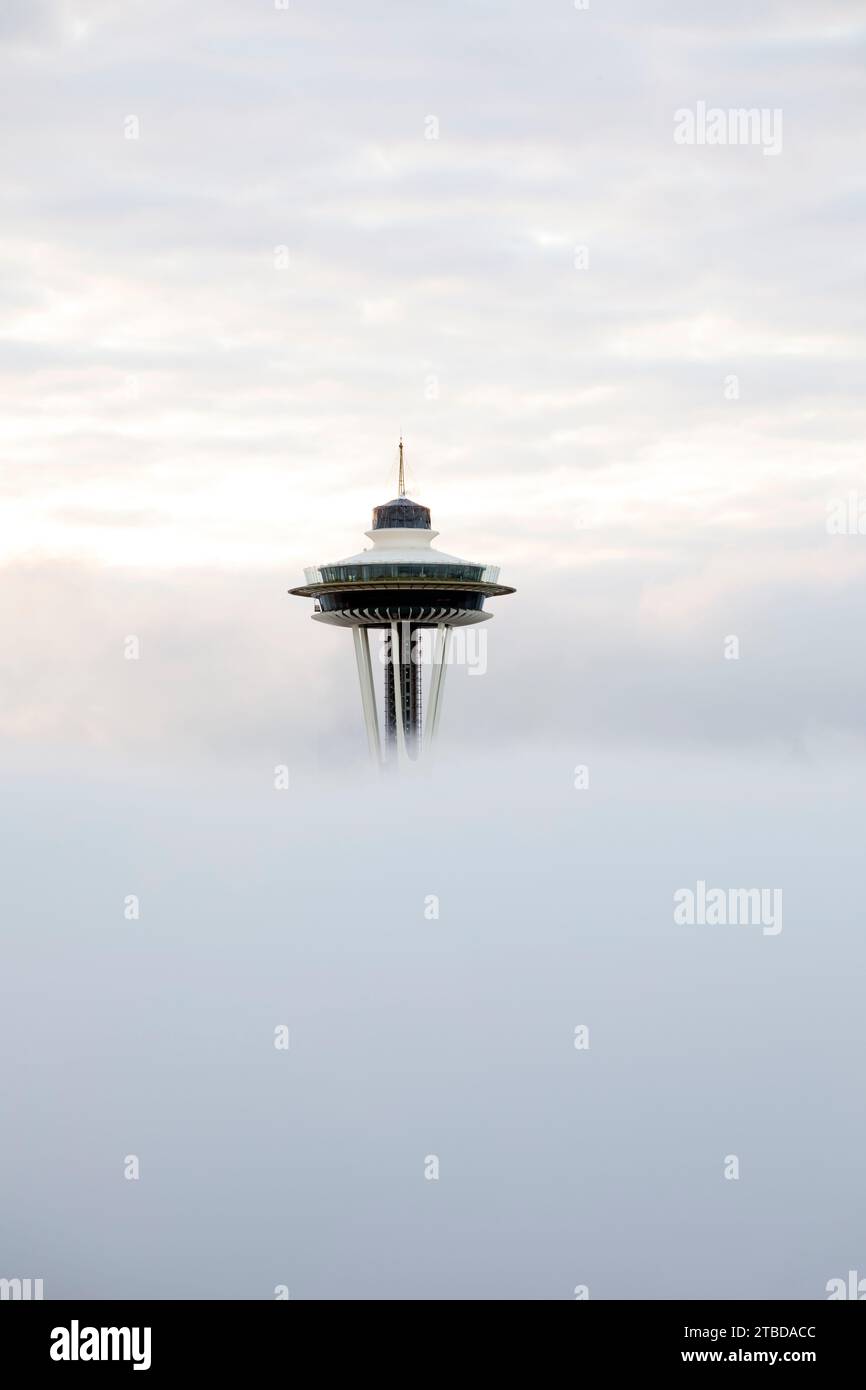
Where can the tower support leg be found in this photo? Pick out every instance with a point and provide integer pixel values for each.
(368, 697)
(437, 681)
(397, 685)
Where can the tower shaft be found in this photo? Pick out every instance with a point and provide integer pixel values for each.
(407, 699)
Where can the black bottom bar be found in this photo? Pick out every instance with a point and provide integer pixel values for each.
(222, 1338)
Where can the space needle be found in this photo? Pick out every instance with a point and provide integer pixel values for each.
(402, 586)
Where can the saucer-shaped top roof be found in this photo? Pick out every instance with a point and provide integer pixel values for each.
(401, 512)
(401, 557)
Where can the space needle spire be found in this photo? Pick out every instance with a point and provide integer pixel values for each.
(403, 587)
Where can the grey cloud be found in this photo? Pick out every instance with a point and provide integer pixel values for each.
(410, 1037)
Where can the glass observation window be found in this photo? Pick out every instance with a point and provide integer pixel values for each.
(355, 574)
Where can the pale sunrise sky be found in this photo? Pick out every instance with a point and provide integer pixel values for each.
(171, 397)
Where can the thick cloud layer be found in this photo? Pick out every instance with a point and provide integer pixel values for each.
(451, 1036)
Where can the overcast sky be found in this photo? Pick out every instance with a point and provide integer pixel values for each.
(212, 334)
